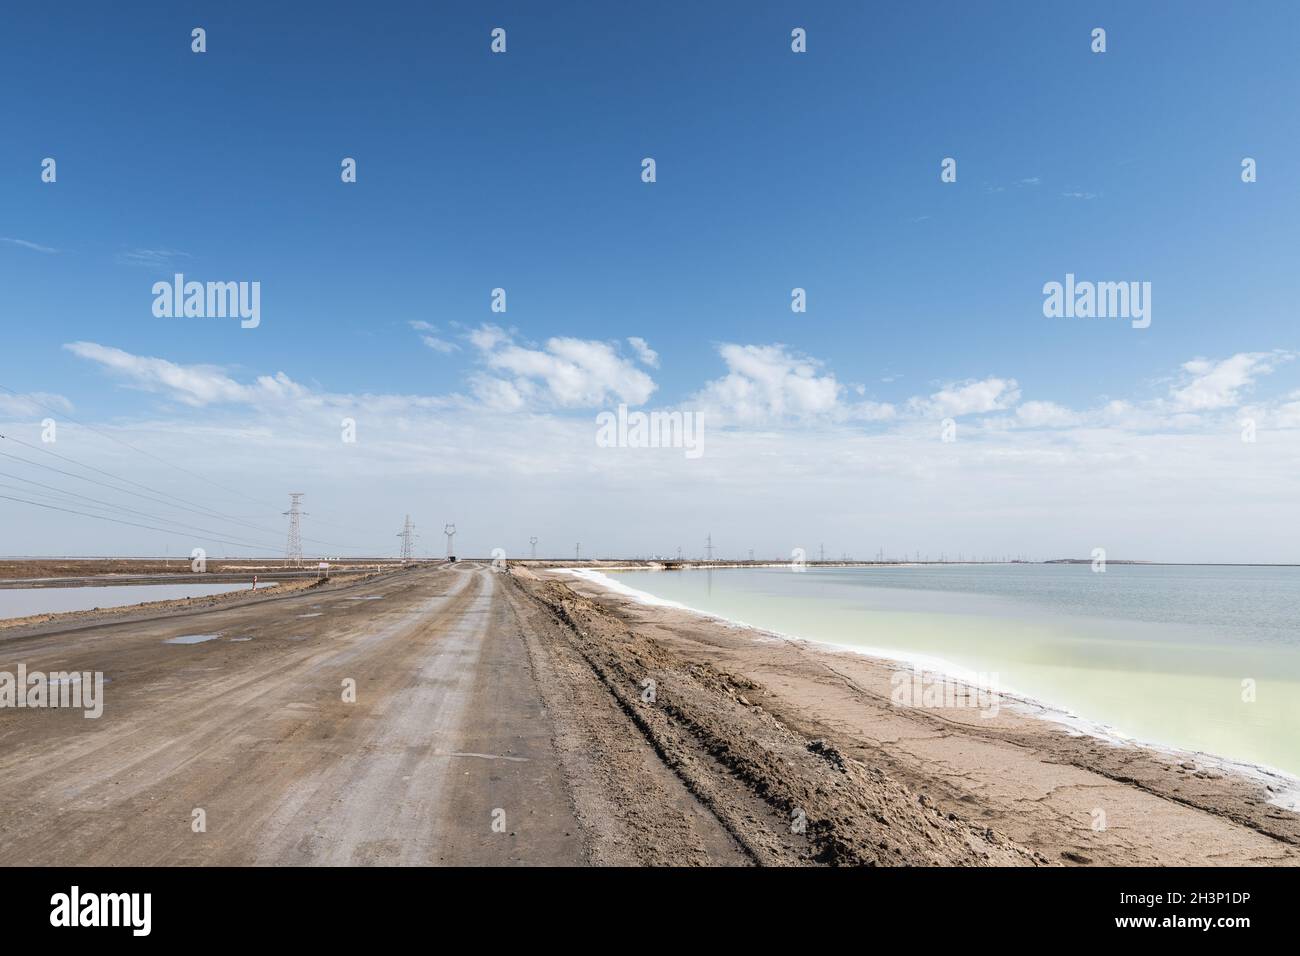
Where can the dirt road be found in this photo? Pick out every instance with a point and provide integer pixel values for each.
(446, 756)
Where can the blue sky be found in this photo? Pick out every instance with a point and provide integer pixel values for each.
(775, 170)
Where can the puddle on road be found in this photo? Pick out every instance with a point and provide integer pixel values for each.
(317, 614)
(239, 640)
(368, 597)
(191, 639)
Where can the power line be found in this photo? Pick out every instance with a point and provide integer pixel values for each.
(108, 486)
(197, 508)
(186, 471)
(116, 507)
(131, 523)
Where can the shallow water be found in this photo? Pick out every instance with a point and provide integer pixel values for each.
(21, 602)
(192, 639)
(1164, 655)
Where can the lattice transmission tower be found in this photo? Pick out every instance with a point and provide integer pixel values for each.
(293, 550)
(408, 536)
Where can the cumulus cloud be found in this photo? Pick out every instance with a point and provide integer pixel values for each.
(971, 397)
(564, 373)
(1213, 385)
(767, 383)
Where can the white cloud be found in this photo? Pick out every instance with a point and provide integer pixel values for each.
(431, 340)
(488, 337)
(26, 244)
(32, 404)
(768, 383)
(200, 386)
(1045, 478)
(565, 372)
(194, 385)
(1214, 385)
(439, 345)
(151, 258)
(644, 352)
(1046, 415)
(971, 397)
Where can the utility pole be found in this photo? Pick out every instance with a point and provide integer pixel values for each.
(708, 546)
(293, 549)
(533, 542)
(407, 534)
(821, 554)
(577, 551)
(450, 531)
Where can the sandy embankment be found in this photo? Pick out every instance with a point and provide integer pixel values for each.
(763, 727)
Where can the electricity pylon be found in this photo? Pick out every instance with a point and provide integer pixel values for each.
(407, 534)
(293, 550)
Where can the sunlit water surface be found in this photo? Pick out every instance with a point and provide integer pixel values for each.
(21, 602)
(1164, 655)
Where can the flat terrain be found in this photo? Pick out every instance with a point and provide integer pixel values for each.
(510, 718)
(446, 737)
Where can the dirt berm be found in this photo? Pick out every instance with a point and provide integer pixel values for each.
(783, 798)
